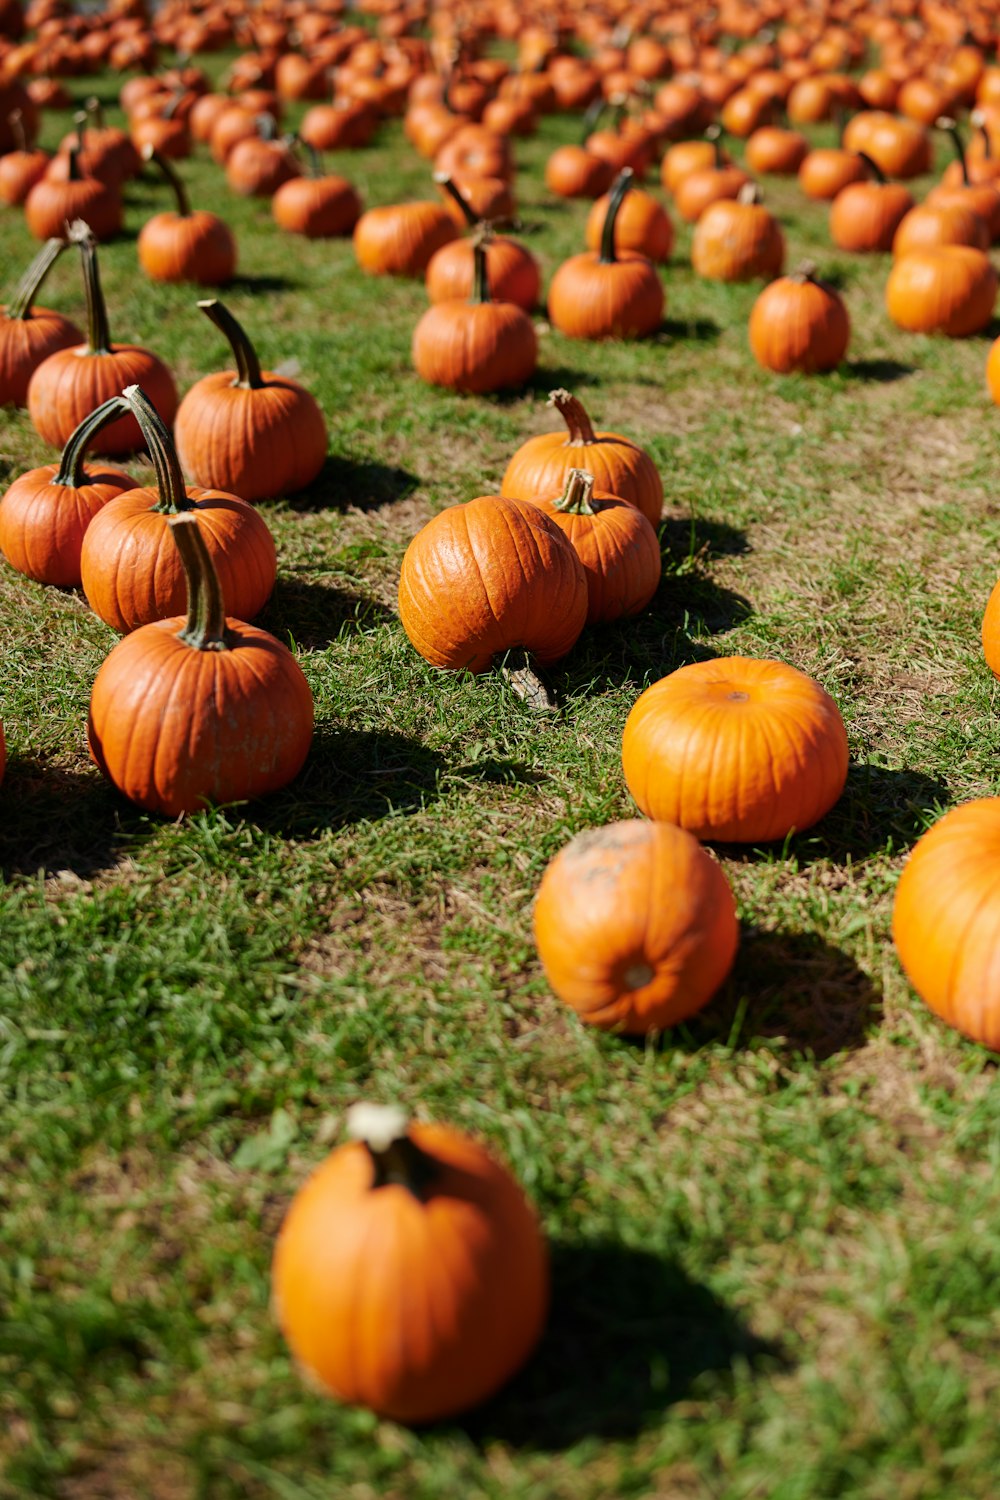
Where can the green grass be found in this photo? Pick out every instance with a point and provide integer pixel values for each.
(774, 1230)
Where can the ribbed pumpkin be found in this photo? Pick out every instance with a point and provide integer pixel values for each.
(22, 168)
(693, 156)
(738, 240)
(865, 215)
(475, 345)
(29, 334)
(927, 226)
(697, 190)
(400, 239)
(736, 750)
(799, 323)
(606, 294)
(251, 432)
(642, 226)
(488, 577)
(189, 711)
(55, 202)
(258, 165)
(512, 271)
(946, 919)
(619, 466)
(182, 245)
(319, 205)
(826, 171)
(615, 543)
(455, 1299)
(73, 382)
(983, 197)
(635, 926)
(45, 513)
(132, 576)
(948, 289)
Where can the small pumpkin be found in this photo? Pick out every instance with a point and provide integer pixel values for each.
(45, 513)
(799, 323)
(693, 156)
(827, 170)
(635, 926)
(29, 334)
(946, 919)
(642, 225)
(575, 172)
(615, 543)
(477, 345)
(456, 1234)
(949, 289)
(129, 575)
(983, 197)
(52, 204)
(252, 432)
(257, 166)
(73, 382)
(400, 239)
(864, 216)
(620, 467)
(188, 711)
(738, 240)
(772, 150)
(696, 190)
(736, 750)
(319, 205)
(181, 245)
(22, 168)
(607, 294)
(512, 271)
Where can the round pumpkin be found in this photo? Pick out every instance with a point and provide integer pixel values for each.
(606, 294)
(799, 323)
(736, 750)
(399, 240)
(182, 245)
(512, 272)
(477, 345)
(738, 240)
(993, 371)
(635, 926)
(864, 216)
(927, 226)
(949, 289)
(456, 1235)
(642, 226)
(29, 334)
(946, 919)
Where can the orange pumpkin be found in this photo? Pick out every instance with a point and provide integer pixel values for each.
(928, 226)
(799, 323)
(736, 750)
(319, 205)
(864, 216)
(182, 245)
(400, 239)
(607, 295)
(28, 333)
(828, 170)
(993, 371)
(738, 240)
(948, 289)
(946, 919)
(642, 225)
(615, 543)
(574, 172)
(775, 151)
(635, 926)
(512, 271)
(476, 345)
(456, 1235)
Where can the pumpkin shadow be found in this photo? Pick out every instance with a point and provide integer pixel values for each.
(312, 614)
(689, 330)
(545, 379)
(359, 483)
(352, 776)
(701, 537)
(879, 811)
(58, 821)
(629, 1333)
(877, 371)
(261, 285)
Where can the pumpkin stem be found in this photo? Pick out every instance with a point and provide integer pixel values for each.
(205, 626)
(16, 122)
(748, 193)
(95, 109)
(74, 173)
(576, 499)
(872, 166)
(171, 177)
(313, 158)
(978, 119)
(396, 1158)
(248, 376)
(950, 128)
(169, 480)
(714, 133)
(27, 288)
(98, 332)
(619, 188)
(574, 415)
(480, 272)
(591, 117)
(454, 191)
(524, 679)
(70, 472)
(805, 272)
(267, 127)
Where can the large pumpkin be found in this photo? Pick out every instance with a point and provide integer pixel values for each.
(635, 925)
(946, 919)
(455, 1299)
(484, 578)
(736, 750)
(619, 466)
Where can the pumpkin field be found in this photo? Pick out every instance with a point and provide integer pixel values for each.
(675, 1161)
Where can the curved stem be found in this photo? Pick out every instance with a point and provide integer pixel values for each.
(171, 177)
(748, 193)
(619, 188)
(480, 271)
(247, 363)
(949, 126)
(74, 174)
(95, 109)
(987, 143)
(98, 332)
(714, 133)
(591, 117)
(443, 180)
(205, 626)
(16, 122)
(574, 415)
(169, 480)
(396, 1158)
(70, 472)
(873, 167)
(27, 288)
(312, 156)
(576, 498)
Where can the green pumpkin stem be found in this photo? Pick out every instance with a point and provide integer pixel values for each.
(950, 128)
(70, 472)
(480, 271)
(174, 497)
(443, 180)
(873, 167)
(619, 188)
(95, 109)
(313, 158)
(267, 127)
(27, 288)
(714, 133)
(74, 174)
(16, 122)
(591, 116)
(396, 1158)
(574, 415)
(172, 178)
(205, 626)
(98, 332)
(576, 499)
(248, 375)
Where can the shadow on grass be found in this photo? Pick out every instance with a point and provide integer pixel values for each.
(691, 330)
(261, 285)
(880, 810)
(629, 1333)
(314, 614)
(700, 536)
(364, 484)
(352, 776)
(877, 371)
(57, 820)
